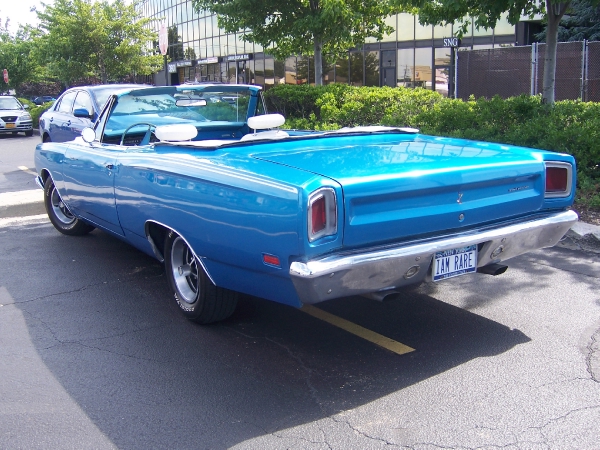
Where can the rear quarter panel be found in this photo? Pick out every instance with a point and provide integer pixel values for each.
(230, 208)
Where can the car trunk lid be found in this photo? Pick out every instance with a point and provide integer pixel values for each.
(399, 186)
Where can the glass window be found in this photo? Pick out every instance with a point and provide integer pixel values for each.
(269, 71)
(442, 57)
(341, 70)
(391, 21)
(388, 68)
(241, 45)
(215, 26)
(442, 31)
(406, 59)
(372, 69)
(423, 72)
(423, 31)
(83, 101)
(66, 103)
(209, 26)
(328, 72)
(406, 27)
(259, 71)
(290, 70)
(356, 69)
(200, 26)
(503, 27)
(482, 31)
(250, 71)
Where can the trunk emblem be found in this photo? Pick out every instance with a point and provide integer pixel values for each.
(460, 196)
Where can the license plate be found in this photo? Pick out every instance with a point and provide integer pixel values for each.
(11, 125)
(454, 262)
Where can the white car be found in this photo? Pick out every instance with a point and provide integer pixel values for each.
(14, 117)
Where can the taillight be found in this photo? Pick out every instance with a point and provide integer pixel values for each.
(559, 176)
(318, 216)
(322, 214)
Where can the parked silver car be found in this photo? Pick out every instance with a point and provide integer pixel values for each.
(14, 117)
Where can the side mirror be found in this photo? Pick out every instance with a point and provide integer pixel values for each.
(88, 134)
(25, 106)
(82, 112)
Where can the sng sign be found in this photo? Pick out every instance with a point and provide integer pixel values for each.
(452, 42)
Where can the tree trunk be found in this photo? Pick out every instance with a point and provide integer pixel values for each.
(318, 62)
(554, 13)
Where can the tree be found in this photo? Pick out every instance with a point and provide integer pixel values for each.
(106, 39)
(581, 22)
(15, 56)
(486, 13)
(302, 27)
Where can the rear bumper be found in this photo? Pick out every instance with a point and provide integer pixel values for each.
(383, 269)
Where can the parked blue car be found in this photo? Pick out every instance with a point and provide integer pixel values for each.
(201, 178)
(76, 109)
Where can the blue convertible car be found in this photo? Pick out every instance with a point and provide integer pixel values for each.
(201, 178)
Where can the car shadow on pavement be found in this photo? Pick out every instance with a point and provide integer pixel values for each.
(100, 317)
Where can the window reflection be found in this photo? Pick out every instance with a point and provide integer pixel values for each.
(405, 57)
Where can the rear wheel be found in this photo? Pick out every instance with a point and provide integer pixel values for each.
(197, 297)
(59, 214)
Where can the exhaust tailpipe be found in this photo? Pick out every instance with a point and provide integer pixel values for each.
(493, 269)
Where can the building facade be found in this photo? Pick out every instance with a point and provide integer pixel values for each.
(413, 55)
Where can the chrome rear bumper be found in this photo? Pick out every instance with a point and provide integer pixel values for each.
(383, 269)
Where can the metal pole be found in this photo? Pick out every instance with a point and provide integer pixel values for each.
(532, 90)
(455, 72)
(584, 68)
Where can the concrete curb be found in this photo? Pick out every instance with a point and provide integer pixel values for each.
(582, 236)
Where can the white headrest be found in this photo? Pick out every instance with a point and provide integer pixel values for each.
(176, 133)
(266, 121)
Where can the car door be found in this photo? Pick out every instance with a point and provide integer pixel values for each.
(60, 119)
(83, 101)
(89, 172)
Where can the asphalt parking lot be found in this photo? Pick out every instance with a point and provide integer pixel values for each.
(94, 354)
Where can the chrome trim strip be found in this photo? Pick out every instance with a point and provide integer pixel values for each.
(376, 270)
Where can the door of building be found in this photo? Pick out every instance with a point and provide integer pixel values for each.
(388, 68)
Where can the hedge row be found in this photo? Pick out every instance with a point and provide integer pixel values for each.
(35, 110)
(569, 126)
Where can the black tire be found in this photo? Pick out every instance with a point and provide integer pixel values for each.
(29, 133)
(195, 294)
(59, 214)
(46, 138)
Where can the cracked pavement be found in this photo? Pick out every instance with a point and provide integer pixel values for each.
(94, 355)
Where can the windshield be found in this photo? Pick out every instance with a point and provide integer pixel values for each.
(180, 105)
(102, 94)
(9, 103)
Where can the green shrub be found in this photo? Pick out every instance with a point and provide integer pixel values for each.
(37, 111)
(571, 127)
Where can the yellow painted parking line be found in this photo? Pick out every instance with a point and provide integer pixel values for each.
(357, 330)
(27, 169)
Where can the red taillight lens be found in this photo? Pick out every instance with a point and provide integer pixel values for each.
(556, 179)
(322, 214)
(319, 217)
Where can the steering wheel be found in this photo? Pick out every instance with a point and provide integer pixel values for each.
(146, 139)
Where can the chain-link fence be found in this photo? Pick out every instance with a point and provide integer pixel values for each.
(510, 71)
